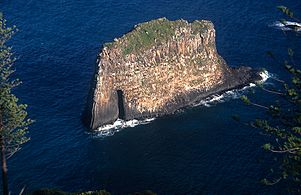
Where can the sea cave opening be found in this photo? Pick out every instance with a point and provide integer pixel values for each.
(120, 96)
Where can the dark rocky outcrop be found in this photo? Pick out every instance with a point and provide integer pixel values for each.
(158, 68)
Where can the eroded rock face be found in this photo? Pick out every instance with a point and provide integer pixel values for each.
(158, 68)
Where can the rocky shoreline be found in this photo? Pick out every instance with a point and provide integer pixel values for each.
(242, 77)
(158, 68)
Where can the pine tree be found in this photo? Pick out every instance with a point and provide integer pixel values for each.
(283, 120)
(13, 116)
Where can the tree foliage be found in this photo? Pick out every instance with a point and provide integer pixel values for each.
(13, 116)
(283, 122)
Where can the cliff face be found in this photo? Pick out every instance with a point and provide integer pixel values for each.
(157, 68)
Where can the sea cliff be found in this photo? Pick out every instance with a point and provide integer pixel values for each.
(158, 68)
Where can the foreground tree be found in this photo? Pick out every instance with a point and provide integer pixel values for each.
(13, 116)
(283, 120)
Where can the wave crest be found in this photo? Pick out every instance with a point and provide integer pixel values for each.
(232, 94)
(119, 124)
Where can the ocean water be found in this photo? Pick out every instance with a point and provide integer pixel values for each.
(198, 150)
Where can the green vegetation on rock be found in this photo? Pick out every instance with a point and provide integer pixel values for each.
(152, 33)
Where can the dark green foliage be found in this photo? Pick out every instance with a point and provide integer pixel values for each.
(236, 118)
(283, 124)
(146, 192)
(286, 11)
(245, 99)
(13, 114)
(98, 192)
(59, 192)
(48, 192)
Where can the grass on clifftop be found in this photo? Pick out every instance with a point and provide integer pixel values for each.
(149, 33)
(155, 32)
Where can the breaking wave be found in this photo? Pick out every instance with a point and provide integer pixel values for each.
(287, 25)
(265, 75)
(119, 124)
(232, 94)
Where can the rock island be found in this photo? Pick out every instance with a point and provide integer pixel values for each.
(157, 68)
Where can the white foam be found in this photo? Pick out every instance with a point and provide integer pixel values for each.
(119, 124)
(265, 75)
(232, 94)
(284, 25)
(214, 99)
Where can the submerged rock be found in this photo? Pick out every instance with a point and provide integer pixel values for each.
(158, 68)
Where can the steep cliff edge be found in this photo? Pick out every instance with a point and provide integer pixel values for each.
(158, 68)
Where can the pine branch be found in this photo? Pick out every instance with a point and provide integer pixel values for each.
(272, 91)
(259, 106)
(291, 151)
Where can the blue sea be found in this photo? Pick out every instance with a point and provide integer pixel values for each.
(199, 150)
